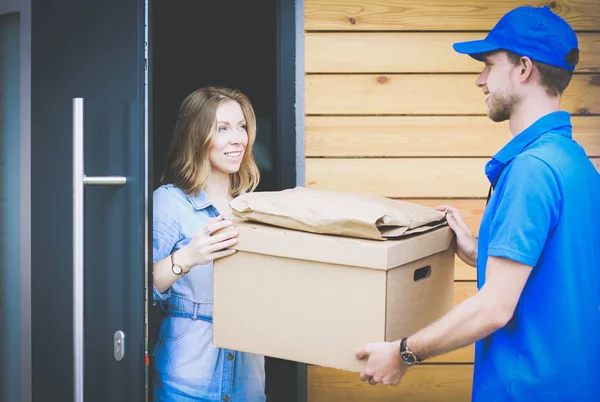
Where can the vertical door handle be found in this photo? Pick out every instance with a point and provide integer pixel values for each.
(79, 181)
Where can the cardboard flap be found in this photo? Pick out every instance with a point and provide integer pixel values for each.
(269, 240)
(337, 213)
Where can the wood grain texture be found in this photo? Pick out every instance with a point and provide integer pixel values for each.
(400, 178)
(424, 383)
(464, 272)
(422, 136)
(434, 15)
(400, 94)
(462, 291)
(409, 52)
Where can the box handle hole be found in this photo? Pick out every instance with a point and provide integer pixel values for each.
(422, 273)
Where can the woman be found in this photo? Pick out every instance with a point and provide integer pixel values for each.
(209, 163)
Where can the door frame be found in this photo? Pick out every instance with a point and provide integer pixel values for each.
(290, 94)
(289, 132)
(22, 388)
(290, 116)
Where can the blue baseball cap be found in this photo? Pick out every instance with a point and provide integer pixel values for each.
(535, 32)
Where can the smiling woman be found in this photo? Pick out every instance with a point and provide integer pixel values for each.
(250, 46)
(231, 139)
(209, 162)
(234, 142)
(213, 121)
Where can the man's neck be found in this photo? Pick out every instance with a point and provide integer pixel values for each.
(531, 110)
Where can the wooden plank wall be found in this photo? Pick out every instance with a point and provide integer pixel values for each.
(392, 110)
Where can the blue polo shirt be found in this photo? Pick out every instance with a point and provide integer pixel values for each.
(544, 213)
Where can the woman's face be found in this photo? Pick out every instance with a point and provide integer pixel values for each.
(230, 140)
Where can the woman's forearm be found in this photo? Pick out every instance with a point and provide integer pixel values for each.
(163, 276)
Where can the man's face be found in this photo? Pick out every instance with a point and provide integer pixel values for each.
(496, 81)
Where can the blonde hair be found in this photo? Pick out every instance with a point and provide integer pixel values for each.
(188, 165)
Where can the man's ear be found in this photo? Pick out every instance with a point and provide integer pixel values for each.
(526, 68)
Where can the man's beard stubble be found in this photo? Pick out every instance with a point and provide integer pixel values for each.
(501, 106)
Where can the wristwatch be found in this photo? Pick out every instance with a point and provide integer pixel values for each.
(177, 270)
(406, 354)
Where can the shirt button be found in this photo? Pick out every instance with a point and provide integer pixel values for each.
(225, 398)
(229, 356)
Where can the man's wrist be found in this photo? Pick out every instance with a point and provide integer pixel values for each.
(410, 345)
(407, 352)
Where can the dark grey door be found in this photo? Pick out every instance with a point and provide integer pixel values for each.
(87, 234)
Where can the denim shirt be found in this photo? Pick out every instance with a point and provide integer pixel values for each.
(187, 366)
(177, 218)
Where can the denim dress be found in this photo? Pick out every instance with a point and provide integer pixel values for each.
(187, 367)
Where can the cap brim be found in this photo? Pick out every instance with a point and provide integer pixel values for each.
(475, 48)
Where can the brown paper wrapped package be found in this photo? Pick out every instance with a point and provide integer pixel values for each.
(337, 213)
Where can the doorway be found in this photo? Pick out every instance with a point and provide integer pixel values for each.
(227, 43)
(238, 44)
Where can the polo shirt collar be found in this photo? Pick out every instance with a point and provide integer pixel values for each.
(558, 122)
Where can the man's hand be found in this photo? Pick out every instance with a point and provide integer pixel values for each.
(466, 242)
(384, 363)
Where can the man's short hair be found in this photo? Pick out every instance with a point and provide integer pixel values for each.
(555, 80)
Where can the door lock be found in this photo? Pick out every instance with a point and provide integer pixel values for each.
(119, 345)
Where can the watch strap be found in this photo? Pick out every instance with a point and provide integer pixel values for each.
(173, 264)
(405, 351)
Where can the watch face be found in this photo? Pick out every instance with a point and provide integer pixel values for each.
(176, 269)
(408, 358)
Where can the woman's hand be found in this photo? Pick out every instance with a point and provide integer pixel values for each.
(206, 246)
(466, 242)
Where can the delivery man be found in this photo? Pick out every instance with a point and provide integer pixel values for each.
(536, 317)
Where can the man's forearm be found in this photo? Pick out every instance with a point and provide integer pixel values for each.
(473, 319)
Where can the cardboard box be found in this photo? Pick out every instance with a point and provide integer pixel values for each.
(316, 298)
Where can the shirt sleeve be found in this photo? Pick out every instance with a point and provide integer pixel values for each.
(165, 232)
(526, 213)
